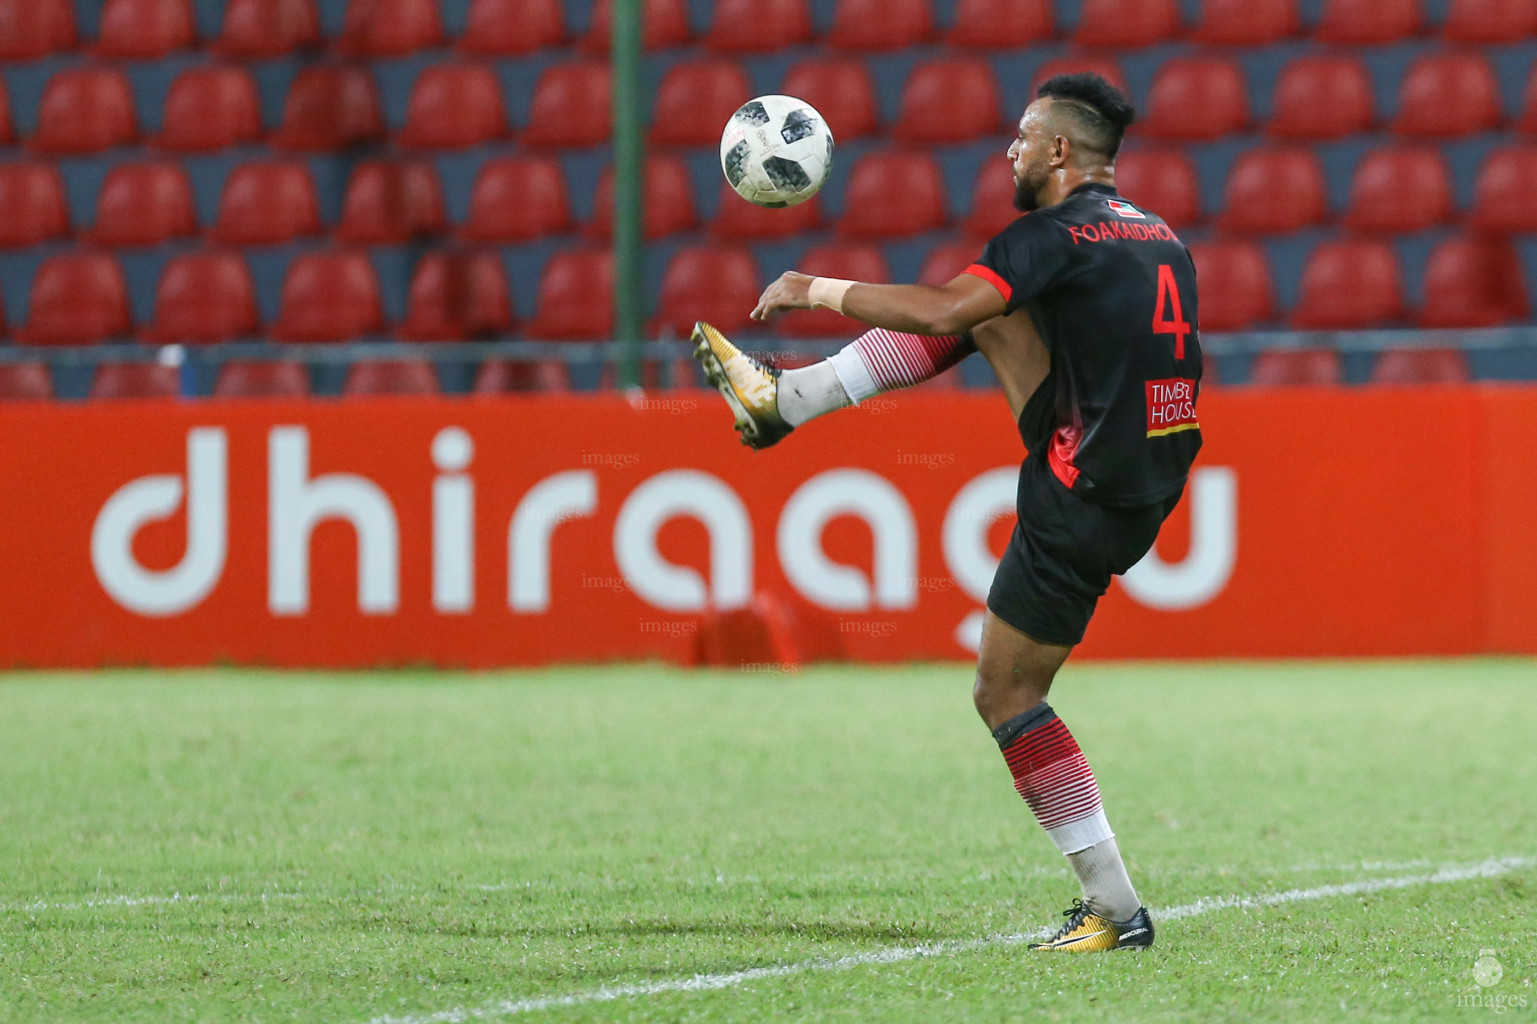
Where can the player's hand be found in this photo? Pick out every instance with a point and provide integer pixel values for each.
(791, 291)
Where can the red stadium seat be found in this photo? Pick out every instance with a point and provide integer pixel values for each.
(392, 377)
(1236, 289)
(880, 24)
(516, 199)
(267, 204)
(77, 299)
(892, 194)
(1247, 22)
(1274, 190)
(1322, 97)
(851, 262)
(329, 296)
(1528, 122)
(389, 28)
(209, 109)
(25, 382)
(242, 379)
(7, 134)
(715, 283)
(572, 106)
(85, 110)
(257, 29)
(135, 380)
(665, 24)
(736, 218)
(669, 206)
(1103, 65)
(758, 26)
(1444, 95)
(1000, 24)
(1163, 181)
(509, 28)
(145, 29)
(389, 202)
(1400, 189)
(204, 297)
(950, 100)
(1490, 21)
(1126, 24)
(1305, 367)
(1503, 191)
(456, 296)
(1355, 22)
(503, 376)
(656, 374)
(841, 88)
(1473, 282)
(992, 200)
(1196, 98)
(1349, 284)
(454, 106)
(947, 261)
(575, 297)
(1420, 366)
(330, 107)
(33, 208)
(695, 100)
(36, 28)
(144, 204)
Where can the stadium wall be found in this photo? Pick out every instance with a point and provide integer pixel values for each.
(591, 527)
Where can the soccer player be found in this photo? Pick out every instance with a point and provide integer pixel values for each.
(1086, 310)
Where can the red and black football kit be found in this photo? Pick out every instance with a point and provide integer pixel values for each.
(1112, 431)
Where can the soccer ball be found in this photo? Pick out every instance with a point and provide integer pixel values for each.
(776, 151)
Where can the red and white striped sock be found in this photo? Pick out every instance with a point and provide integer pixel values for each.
(1053, 776)
(879, 360)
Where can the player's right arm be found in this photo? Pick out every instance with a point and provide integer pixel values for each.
(952, 308)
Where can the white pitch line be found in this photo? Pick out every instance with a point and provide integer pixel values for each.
(148, 901)
(1492, 868)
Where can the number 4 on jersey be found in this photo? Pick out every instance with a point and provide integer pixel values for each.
(1168, 318)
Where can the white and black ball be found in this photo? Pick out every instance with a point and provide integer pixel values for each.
(776, 151)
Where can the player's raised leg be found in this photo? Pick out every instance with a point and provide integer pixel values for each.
(1014, 676)
(768, 403)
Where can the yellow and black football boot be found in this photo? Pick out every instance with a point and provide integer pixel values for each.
(748, 386)
(1087, 932)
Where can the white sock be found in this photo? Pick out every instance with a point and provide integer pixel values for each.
(1106, 887)
(809, 391)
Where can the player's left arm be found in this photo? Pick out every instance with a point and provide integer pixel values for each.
(951, 308)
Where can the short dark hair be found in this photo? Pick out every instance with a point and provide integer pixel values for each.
(1101, 110)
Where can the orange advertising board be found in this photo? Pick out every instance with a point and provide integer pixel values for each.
(593, 527)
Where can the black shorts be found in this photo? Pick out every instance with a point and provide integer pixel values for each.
(1062, 554)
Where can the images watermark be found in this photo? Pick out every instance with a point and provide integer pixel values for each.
(1488, 972)
(877, 628)
(769, 668)
(673, 406)
(929, 460)
(674, 628)
(619, 460)
(618, 584)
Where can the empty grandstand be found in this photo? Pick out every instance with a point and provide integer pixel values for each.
(205, 173)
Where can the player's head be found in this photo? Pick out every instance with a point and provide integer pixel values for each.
(1076, 123)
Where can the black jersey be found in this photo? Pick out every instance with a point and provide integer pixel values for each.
(1112, 292)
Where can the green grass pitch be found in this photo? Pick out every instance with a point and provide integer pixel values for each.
(434, 848)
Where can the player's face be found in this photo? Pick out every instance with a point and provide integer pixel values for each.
(1031, 155)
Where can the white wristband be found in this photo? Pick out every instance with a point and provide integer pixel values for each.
(828, 292)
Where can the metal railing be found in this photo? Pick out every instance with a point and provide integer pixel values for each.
(198, 363)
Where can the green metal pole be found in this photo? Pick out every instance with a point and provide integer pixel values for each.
(629, 159)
